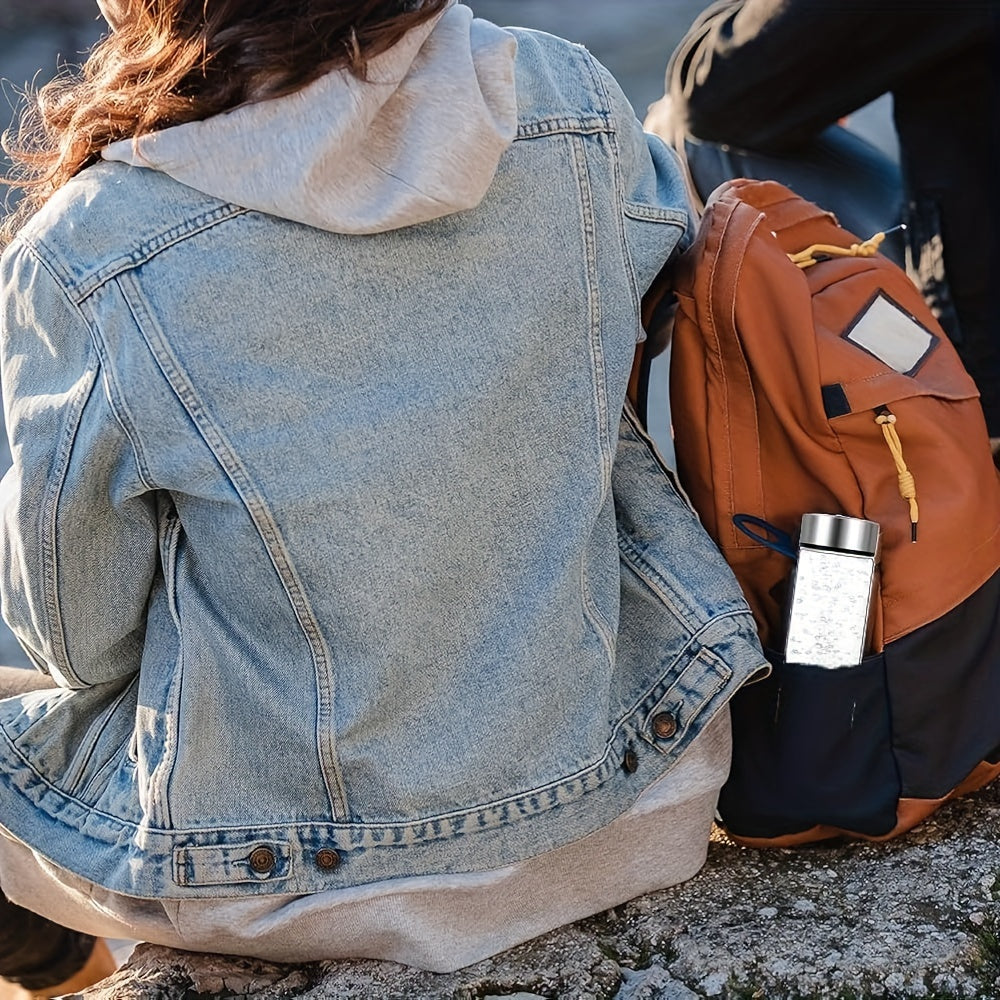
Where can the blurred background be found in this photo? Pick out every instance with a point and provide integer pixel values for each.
(633, 38)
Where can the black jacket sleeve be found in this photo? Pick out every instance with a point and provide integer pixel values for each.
(770, 74)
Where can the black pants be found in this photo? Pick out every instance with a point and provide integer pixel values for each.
(35, 952)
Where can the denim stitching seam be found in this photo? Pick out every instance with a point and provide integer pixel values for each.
(261, 516)
(595, 344)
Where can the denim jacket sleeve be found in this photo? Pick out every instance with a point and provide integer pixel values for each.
(653, 191)
(78, 528)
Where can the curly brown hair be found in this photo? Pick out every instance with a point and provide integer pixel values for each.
(173, 61)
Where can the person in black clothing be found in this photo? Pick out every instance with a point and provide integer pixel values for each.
(770, 76)
(46, 960)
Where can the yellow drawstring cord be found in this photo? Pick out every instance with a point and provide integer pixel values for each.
(806, 258)
(907, 486)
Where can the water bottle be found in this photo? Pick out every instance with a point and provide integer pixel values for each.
(832, 590)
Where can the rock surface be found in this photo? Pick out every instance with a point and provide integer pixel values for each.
(914, 918)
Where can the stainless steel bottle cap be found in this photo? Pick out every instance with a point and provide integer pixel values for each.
(835, 531)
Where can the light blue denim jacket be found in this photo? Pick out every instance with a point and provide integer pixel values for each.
(339, 548)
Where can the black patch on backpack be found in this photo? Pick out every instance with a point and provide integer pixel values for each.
(835, 400)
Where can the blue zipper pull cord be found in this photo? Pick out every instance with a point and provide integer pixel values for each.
(769, 536)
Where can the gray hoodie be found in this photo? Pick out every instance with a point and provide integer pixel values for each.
(417, 140)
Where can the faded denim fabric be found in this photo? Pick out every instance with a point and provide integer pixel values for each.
(342, 543)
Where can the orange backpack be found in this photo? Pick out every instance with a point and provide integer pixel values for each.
(808, 376)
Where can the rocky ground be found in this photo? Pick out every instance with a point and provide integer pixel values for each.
(915, 918)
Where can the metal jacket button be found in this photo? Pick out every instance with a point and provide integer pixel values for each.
(327, 859)
(262, 860)
(630, 762)
(664, 726)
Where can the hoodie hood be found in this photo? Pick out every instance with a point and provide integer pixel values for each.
(419, 139)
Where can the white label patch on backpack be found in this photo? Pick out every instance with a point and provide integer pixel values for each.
(890, 333)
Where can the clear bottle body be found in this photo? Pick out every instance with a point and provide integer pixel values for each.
(832, 590)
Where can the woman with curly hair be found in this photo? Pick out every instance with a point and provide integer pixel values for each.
(369, 621)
